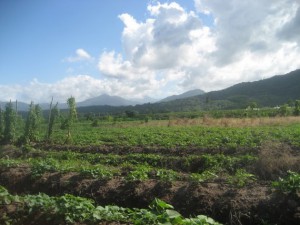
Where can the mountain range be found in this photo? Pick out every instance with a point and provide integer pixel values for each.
(108, 100)
(183, 95)
(103, 99)
(273, 91)
(270, 92)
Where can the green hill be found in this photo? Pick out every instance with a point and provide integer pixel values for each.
(273, 91)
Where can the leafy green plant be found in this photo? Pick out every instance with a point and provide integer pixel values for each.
(69, 209)
(98, 172)
(9, 163)
(10, 119)
(32, 122)
(139, 173)
(74, 208)
(5, 197)
(288, 184)
(112, 213)
(53, 114)
(167, 175)
(297, 108)
(1, 123)
(37, 202)
(39, 167)
(201, 177)
(72, 117)
(241, 178)
(162, 213)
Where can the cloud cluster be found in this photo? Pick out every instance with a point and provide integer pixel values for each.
(81, 87)
(173, 51)
(176, 51)
(81, 55)
(160, 52)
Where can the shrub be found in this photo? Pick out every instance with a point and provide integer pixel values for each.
(275, 159)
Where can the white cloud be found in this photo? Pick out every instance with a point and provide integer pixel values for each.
(81, 87)
(246, 25)
(80, 55)
(173, 46)
(158, 50)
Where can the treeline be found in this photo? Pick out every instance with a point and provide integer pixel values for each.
(132, 113)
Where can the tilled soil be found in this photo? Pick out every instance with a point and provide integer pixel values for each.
(123, 150)
(253, 204)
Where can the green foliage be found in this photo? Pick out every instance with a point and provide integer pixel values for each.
(10, 123)
(140, 172)
(95, 123)
(5, 197)
(288, 184)
(54, 113)
(99, 172)
(202, 177)
(163, 213)
(69, 209)
(253, 105)
(1, 123)
(39, 167)
(72, 109)
(6, 163)
(74, 208)
(297, 108)
(72, 117)
(285, 110)
(131, 114)
(33, 121)
(241, 178)
(167, 175)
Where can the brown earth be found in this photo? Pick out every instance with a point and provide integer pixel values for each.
(123, 150)
(254, 204)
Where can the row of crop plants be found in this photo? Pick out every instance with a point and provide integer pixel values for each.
(234, 170)
(180, 136)
(69, 209)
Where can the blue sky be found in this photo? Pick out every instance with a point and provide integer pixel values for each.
(140, 48)
(37, 35)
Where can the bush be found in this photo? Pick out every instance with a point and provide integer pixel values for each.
(275, 159)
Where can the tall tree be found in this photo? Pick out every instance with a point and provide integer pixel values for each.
(10, 123)
(297, 108)
(71, 117)
(53, 114)
(1, 123)
(32, 123)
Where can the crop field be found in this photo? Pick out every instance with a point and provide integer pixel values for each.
(177, 171)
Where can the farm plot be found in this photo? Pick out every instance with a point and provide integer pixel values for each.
(236, 175)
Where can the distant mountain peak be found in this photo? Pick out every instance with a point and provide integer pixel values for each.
(105, 99)
(186, 94)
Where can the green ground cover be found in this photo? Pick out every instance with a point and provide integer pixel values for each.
(69, 209)
(179, 136)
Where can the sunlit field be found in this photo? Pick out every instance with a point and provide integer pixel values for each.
(148, 168)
